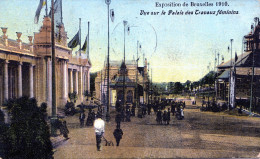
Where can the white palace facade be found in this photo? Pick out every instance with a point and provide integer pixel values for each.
(26, 68)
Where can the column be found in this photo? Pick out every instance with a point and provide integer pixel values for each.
(31, 80)
(20, 86)
(71, 80)
(49, 82)
(88, 80)
(81, 84)
(76, 82)
(10, 89)
(64, 95)
(6, 79)
(84, 81)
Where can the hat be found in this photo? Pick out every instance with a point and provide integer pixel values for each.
(99, 115)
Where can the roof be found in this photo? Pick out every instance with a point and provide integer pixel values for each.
(224, 75)
(121, 79)
(141, 70)
(118, 63)
(119, 82)
(244, 60)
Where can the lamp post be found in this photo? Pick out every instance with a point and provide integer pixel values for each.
(108, 114)
(231, 63)
(54, 109)
(148, 84)
(124, 67)
(253, 48)
(139, 114)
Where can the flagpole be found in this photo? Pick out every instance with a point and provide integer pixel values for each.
(252, 79)
(152, 85)
(88, 42)
(54, 109)
(124, 69)
(79, 36)
(234, 100)
(101, 90)
(46, 8)
(229, 104)
(143, 79)
(108, 113)
(61, 12)
(137, 93)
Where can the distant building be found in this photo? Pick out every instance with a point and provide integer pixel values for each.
(241, 72)
(170, 87)
(116, 82)
(26, 68)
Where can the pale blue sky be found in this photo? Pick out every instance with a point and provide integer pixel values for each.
(185, 44)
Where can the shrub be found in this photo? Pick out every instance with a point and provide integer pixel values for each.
(70, 108)
(73, 96)
(28, 135)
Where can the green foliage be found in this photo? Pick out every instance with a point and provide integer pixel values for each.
(178, 87)
(70, 108)
(92, 82)
(208, 78)
(73, 96)
(28, 135)
(86, 93)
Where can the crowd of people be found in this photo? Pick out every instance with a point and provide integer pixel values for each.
(162, 109)
(90, 118)
(163, 116)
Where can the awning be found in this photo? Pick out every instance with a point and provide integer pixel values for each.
(224, 75)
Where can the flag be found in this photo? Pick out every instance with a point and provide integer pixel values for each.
(112, 14)
(74, 42)
(38, 11)
(84, 48)
(236, 58)
(57, 14)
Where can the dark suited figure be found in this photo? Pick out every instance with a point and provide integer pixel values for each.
(118, 106)
(64, 130)
(118, 133)
(122, 115)
(118, 119)
(168, 116)
(128, 115)
(173, 108)
(90, 118)
(82, 118)
(149, 108)
(164, 117)
(133, 110)
(159, 117)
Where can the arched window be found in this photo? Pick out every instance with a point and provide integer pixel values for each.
(130, 97)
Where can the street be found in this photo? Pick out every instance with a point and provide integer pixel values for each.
(199, 135)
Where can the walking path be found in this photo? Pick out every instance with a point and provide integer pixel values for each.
(199, 135)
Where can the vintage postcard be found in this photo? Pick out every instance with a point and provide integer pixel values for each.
(129, 79)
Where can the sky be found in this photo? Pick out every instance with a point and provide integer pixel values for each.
(177, 47)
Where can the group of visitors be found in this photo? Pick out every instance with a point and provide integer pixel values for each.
(62, 126)
(90, 119)
(177, 109)
(124, 114)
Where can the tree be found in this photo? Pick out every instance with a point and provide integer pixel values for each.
(187, 85)
(92, 82)
(178, 87)
(208, 78)
(28, 135)
(73, 96)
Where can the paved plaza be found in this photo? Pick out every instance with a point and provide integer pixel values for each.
(199, 135)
